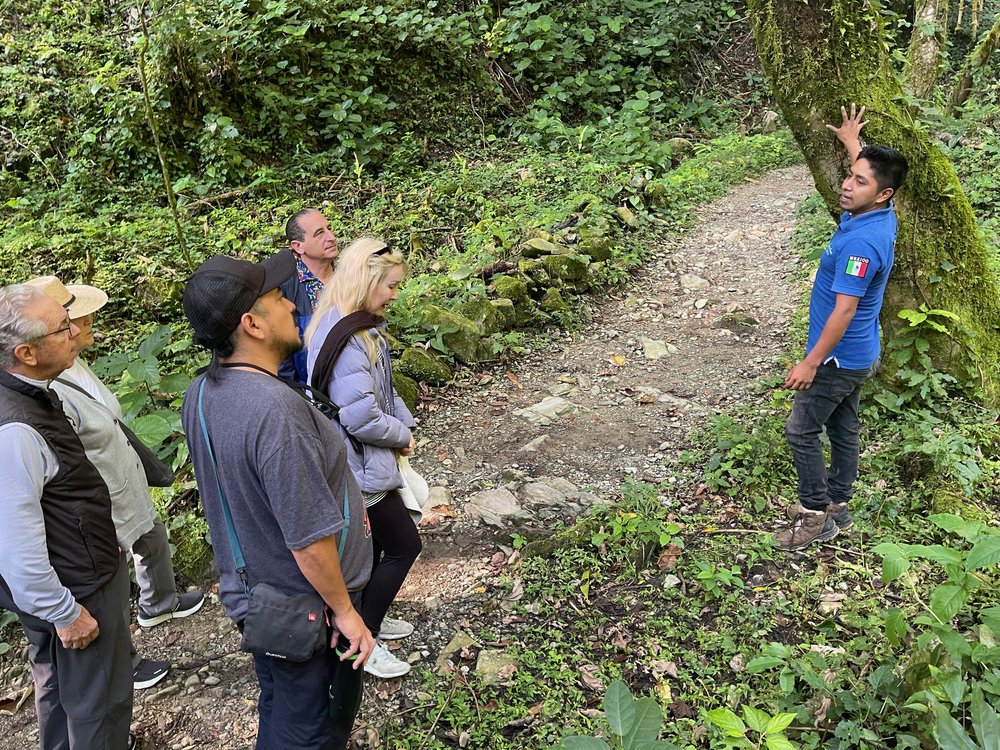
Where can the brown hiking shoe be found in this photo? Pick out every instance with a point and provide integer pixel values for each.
(808, 526)
(838, 510)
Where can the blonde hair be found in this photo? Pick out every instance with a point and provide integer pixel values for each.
(358, 273)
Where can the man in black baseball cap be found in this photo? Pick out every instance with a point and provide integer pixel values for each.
(296, 509)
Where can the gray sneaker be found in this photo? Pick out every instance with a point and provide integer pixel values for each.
(808, 526)
(393, 629)
(838, 510)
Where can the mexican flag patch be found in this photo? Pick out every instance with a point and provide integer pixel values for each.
(857, 266)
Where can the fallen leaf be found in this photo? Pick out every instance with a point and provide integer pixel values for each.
(647, 400)
(463, 739)
(513, 379)
(668, 557)
(682, 710)
(617, 360)
(588, 675)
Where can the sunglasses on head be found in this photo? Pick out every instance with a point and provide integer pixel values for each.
(384, 251)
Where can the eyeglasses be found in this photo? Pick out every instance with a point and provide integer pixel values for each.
(66, 327)
(384, 251)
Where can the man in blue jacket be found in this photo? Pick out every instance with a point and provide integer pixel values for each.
(843, 347)
(314, 246)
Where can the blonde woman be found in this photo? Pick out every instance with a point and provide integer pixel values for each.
(349, 361)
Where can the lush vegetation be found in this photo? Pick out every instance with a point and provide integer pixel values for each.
(138, 140)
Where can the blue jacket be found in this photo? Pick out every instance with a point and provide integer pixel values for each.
(370, 409)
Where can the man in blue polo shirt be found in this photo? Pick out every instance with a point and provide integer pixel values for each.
(843, 345)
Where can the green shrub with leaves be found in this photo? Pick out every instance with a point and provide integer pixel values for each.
(634, 724)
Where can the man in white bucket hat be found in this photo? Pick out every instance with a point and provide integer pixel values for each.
(94, 412)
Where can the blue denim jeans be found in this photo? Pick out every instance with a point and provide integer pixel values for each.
(831, 402)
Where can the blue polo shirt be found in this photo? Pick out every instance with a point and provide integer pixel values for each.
(856, 262)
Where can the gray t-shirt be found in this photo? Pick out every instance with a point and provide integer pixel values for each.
(283, 468)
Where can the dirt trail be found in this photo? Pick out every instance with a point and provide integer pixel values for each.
(715, 303)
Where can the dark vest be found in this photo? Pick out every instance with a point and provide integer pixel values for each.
(76, 506)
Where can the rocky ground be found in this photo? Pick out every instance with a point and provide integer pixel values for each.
(520, 448)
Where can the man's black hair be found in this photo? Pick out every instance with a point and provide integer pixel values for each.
(293, 230)
(888, 165)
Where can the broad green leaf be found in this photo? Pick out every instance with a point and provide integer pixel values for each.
(647, 725)
(895, 626)
(619, 708)
(949, 732)
(779, 742)
(985, 721)
(936, 552)
(755, 718)
(991, 616)
(984, 554)
(727, 721)
(954, 687)
(153, 344)
(152, 429)
(760, 663)
(958, 525)
(779, 723)
(894, 561)
(786, 680)
(175, 382)
(947, 600)
(582, 743)
(145, 370)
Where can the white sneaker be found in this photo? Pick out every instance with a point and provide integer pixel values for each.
(393, 629)
(383, 664)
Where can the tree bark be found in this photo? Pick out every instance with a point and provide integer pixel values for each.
(926, 42)
(825, 53)
(979, 57)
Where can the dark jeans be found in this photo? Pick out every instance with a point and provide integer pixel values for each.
(294, 705)
(83, 697)
(831, 402)
(395, 546)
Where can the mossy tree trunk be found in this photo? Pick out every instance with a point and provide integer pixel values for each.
(926, 42)
(825, 53)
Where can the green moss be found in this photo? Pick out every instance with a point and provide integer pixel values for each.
(407, 390)
(424, 366)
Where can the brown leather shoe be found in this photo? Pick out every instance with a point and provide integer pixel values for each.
(807, 527)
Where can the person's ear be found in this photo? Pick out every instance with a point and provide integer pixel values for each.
(250, 324)
(25, 354)
(885, 195)
(296, 246)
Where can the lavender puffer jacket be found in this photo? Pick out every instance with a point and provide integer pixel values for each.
(370, 409)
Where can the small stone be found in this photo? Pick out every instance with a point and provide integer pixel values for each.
(535, 445)
(495, 666)
(671, 581)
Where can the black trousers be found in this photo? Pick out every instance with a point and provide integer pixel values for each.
(83, 697)
(395, 546)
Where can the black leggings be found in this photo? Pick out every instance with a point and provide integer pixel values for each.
(395, 545)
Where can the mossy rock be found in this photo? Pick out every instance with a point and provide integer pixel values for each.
(596, 237)
(737, 321)
(424, 366)
(534, 270)
(488, 316)
(570, 268)
(505, 312)
(461, 334)
(555, 304)
(536, 247)
(193, 558)
(515, 290)
(406, 387)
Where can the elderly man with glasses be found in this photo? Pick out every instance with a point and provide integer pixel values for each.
(61, 569)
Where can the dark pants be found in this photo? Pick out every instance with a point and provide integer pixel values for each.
(831, 402)
(294, 705)
(395, 546)
(83, 697)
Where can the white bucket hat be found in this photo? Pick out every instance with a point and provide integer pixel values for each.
(78, 299)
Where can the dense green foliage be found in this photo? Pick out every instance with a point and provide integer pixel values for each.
(243, 85)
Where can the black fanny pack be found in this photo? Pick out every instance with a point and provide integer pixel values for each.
(290, 627)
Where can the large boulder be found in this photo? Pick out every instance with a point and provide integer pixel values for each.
(424, 366)
(458, 333)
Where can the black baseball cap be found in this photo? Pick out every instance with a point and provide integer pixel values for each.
(223, 289)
